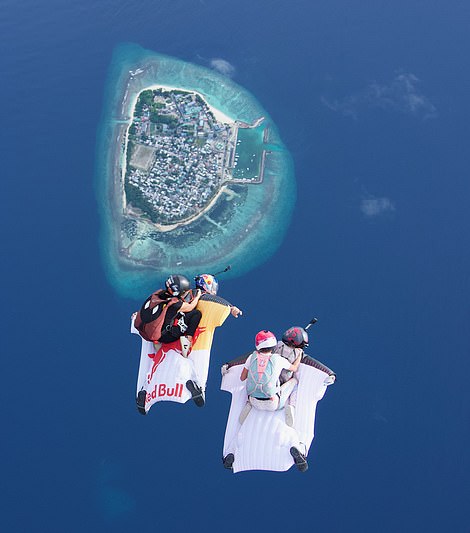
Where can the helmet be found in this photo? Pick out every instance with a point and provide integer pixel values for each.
(265, 339)
(176, 284)
(296, 337)
(207, 283)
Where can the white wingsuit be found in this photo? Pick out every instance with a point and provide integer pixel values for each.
(264, 440)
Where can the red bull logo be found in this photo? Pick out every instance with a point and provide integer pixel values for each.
(157, 359)
(162, 389)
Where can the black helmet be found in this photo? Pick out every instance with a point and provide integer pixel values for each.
(296, 337)
(177, 284)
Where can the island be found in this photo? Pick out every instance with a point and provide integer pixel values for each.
(191, 173)
(181, 154)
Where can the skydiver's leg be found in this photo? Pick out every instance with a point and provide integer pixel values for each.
(184, 324)
(183, 327)
(286, 391)
(289, 414)
(186, 343)
(289, 408)
(188, 324)
(288, 398)
(265, 405)
(293, 397)
(192, 320)
(167, 338)
(285, 376)
(245, 412)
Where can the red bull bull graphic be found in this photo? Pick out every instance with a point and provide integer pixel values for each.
(157, 359)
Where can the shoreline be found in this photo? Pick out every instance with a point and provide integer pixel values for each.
(219, 115)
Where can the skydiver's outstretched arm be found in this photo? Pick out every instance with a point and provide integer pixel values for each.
(236, 311)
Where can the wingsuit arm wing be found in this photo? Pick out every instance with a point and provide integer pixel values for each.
(310, 361)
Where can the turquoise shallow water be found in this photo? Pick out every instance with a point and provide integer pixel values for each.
(255, 217)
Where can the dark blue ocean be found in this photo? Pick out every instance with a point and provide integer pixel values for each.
(371, 99)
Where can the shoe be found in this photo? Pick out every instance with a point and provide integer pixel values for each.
(140, 401)
(245, 412)
(196, 392)
(185, 346)
(299, 459)
(228, 461)
(289, 412)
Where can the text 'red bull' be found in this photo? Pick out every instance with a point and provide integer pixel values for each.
(162, 389)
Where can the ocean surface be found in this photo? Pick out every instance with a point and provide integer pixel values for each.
(371, 100)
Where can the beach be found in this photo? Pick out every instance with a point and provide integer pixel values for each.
(221, 117)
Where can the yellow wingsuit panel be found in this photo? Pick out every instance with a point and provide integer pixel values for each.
(214, 315)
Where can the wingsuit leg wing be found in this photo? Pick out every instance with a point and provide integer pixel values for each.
(163, 374)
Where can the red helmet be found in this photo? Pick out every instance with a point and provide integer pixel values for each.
(296, 337)
(265, 339)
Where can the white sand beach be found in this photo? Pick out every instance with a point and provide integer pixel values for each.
(221, 117)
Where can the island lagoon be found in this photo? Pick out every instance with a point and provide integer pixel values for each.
(237, 180)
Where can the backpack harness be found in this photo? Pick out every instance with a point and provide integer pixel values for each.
(151, 317)
(261, 383)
